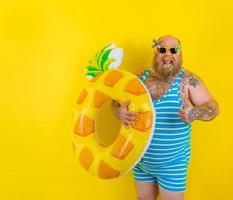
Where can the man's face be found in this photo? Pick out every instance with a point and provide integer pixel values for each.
(167, 64)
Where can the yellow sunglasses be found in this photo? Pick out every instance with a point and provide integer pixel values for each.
(173, 50)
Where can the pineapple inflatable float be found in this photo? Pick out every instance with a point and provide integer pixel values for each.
(102, 145)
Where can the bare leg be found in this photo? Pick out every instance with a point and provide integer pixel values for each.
(146, 190)
(167, 195)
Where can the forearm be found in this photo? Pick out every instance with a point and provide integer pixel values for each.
(205, 112)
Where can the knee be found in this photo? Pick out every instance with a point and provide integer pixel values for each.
(146, 196)
(167, 195)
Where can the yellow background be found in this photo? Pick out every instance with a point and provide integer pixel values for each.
(44, 47)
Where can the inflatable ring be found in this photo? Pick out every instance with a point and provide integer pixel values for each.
(102, 145)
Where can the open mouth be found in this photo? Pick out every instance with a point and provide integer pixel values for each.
(167, 62)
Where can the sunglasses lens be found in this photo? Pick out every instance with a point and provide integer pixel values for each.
(173, 50)
(162, 50)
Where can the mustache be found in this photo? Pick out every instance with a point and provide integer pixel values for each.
(167, 71)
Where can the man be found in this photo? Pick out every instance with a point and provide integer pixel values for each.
(179, 97)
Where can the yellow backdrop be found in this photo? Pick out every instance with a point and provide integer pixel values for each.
(44, 47)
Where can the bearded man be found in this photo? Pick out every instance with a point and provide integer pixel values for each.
(179, 98)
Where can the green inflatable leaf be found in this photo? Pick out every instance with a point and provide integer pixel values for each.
(104, 58)
(93, 62)
(107, 63)
(91, 68)
(93, 73)
(98, 56)
(107, 46)
(100, 62)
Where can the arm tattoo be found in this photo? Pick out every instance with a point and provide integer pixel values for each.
(193, 82)
(185, 81)
(195, 114)
(205, 111)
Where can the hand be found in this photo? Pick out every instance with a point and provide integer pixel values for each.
(188, 113)
(126, 117)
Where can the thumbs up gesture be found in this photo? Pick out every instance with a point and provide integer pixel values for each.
(186, 112)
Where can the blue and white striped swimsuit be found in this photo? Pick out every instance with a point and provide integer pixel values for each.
(167, 157)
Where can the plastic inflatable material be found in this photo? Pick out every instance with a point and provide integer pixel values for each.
(102, 145)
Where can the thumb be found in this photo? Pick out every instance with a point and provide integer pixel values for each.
(126, 103)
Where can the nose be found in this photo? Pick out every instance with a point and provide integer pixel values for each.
(167, 53)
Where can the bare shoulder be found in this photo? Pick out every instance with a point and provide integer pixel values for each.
(190, 80)
(140, 72)
(191, 84)
(194, 88)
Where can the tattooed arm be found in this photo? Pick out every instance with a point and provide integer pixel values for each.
(198, 102)
(205, 112)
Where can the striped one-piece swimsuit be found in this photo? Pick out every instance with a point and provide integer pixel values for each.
(166, 159)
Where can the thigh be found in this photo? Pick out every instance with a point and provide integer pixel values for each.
(146, 184)
(172, 181)
(169, 195)
(146, 190)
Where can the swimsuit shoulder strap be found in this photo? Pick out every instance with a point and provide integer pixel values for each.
(181, 72)
(145, 75)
